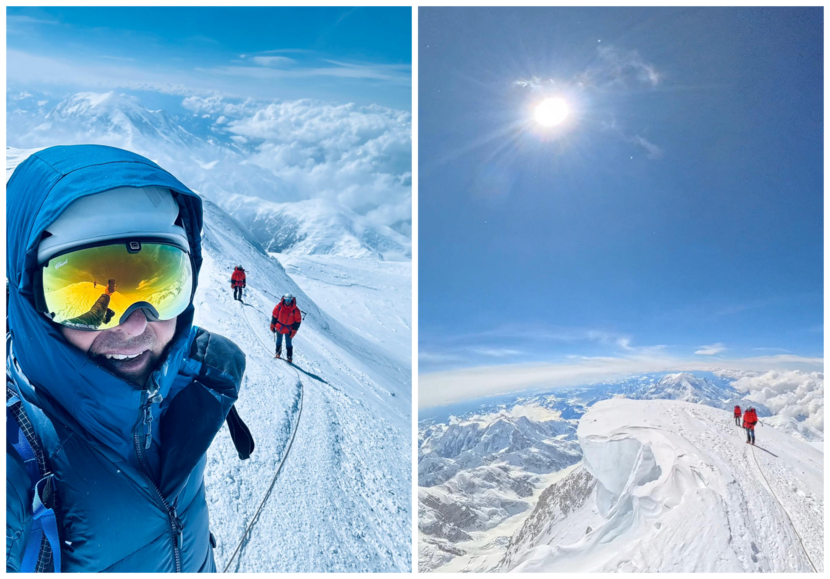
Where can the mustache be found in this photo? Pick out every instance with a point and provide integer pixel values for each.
(109, 341)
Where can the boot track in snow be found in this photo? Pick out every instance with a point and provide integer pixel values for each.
(772, 492)
(255, 518)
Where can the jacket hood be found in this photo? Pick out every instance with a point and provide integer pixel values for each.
(39, 191)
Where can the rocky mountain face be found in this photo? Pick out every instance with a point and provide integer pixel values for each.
(555, 503)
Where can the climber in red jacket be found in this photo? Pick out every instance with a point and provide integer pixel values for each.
(285, 321)
(238, 282)
(750, 420)
(737, 413)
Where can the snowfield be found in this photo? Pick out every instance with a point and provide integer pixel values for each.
(671, 486)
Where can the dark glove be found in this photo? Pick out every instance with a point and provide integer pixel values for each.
(108, 316)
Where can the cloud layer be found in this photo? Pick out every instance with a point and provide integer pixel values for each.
(280, 151)
(441, 388)
(794, 394)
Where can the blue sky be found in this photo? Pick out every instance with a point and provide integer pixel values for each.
(360, 55)
(673, 221)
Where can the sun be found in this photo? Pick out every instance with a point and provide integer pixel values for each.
(552, 111)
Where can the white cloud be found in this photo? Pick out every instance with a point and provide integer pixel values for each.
(440, 388)
(495, 352)
(273, 60)
(652, 150)
(394, 73)
(359, 157)
(795, 394)
(436, 357)
(711, 350)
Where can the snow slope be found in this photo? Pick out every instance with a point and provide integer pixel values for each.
(373, 298)
(678, 489)
(342, 500)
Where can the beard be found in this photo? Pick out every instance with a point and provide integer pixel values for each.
(134, 369)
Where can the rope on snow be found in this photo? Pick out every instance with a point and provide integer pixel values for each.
(264, 500)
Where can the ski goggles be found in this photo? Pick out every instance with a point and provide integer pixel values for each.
(98, 288)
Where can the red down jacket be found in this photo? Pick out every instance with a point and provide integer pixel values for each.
(737, 411)
(750, 419)
(286, 319)
(238, 277)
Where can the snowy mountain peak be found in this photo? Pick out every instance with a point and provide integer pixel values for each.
(94, 104)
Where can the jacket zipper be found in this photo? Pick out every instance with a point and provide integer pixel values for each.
(146, 418)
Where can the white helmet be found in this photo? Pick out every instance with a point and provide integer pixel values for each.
(288, 297)
(145, 212)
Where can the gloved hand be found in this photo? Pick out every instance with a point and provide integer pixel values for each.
(273, 328)
(244, 284)
(108, 316)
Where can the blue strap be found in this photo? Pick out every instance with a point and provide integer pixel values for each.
(44, 522)
(19, 441)
(45, 519)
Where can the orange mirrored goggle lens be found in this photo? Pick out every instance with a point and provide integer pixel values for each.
(99, 287)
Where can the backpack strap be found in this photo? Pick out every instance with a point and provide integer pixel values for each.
(42, 554)
(241, 435)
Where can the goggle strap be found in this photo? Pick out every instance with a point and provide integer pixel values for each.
(150, 312)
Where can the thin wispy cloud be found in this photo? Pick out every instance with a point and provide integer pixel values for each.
(273, 60)
(495, 352)
(612, 69)
(13, 19)
(391, 73)
(437, 357)
(652, 150)
(710, 350)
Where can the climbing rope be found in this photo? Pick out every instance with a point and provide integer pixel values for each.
(282, 461)
(772, 492)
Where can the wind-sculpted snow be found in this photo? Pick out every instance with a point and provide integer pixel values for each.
(678, 489)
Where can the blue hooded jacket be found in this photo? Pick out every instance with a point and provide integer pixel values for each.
(124, 503)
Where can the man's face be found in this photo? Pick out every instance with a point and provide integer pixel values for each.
(130, 350)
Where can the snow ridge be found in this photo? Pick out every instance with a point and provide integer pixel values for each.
(678, 489)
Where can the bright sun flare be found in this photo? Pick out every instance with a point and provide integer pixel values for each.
(552, 111)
